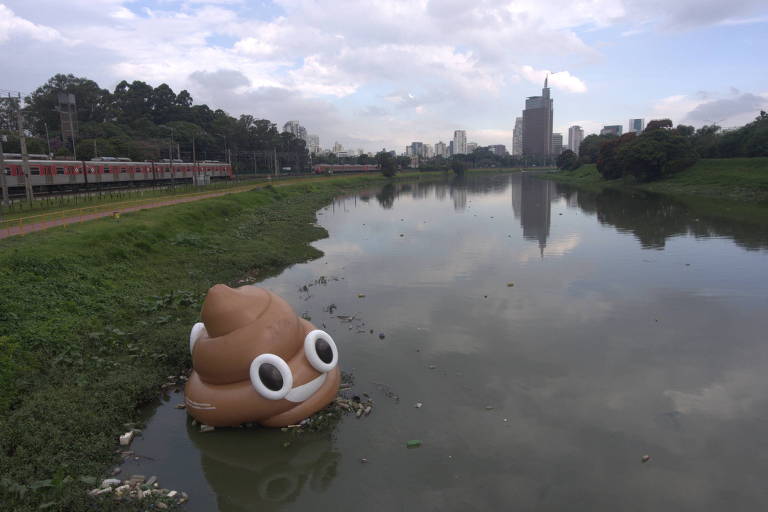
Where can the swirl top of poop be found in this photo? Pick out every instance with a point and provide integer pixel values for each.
(255, 360)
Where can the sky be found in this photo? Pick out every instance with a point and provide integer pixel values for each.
(383, 73)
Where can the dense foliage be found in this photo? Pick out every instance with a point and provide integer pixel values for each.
(142, 122)
(568, 161)
(661, 150)
(459, 167)
(387, 163)
(658, 151)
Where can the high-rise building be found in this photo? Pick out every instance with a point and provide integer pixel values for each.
(537, 124)
(459, 142)
(575, 137)
(314, 144)
(498, 149)
(611, 129)
(557, 144)
(517, 137)
(451, 151)
(636, 125)
(441, 149)
(337, 148)
(471, 147)
(417, 149)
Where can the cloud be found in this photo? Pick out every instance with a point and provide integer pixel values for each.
(13, 26)
(560, 80)
(224, 79)
(727, 108)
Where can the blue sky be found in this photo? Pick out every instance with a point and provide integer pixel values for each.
(383, 73)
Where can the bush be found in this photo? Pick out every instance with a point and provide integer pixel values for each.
(657, 152)
(459, 167)
(568, 161)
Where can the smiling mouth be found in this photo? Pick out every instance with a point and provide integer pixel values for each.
(301, 393)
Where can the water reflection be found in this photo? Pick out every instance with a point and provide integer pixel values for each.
(248, 474)
(653, 219)
(540, 395)
(532, 203)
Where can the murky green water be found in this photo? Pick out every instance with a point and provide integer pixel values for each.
(633, 327)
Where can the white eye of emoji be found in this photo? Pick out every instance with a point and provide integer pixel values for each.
(271, 377)
(321, 351)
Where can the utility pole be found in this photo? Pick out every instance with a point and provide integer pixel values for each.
(195, 174)
(275, 153)
(255, 171)
(3, 179)
(24, 154)
(170, 162)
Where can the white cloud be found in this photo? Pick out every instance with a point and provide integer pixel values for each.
(559, 80)
(15, 26)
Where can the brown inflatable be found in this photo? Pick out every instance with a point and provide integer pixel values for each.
(255, 360)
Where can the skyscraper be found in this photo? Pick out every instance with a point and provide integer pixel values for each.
(314, 144)
(440, 149)
(537, 125)
(557, 144)
(611, 129)
(459, 142)
(517, 137)
(575, 137)
(471, 147)
(450, 149)
(636, 125)
(498, 149)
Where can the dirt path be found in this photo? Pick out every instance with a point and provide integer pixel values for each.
(22, 229)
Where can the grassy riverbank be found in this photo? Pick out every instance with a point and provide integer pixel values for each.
(94, 317)
(735, 179)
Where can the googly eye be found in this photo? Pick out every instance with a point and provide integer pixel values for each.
(198, 330)
(271, 377)
(321, 351)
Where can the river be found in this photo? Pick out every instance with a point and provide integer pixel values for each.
(553, 338)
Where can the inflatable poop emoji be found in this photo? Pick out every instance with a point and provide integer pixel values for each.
(255, 360)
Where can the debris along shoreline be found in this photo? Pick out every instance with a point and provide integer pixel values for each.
(110, 345)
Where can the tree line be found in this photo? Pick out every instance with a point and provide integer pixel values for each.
(662, 149)
(142, 122)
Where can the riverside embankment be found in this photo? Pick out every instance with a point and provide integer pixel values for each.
(91, 317)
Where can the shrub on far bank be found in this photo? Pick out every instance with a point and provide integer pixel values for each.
(387, 163)
(568, 161)
(657, 152)
(459, 167)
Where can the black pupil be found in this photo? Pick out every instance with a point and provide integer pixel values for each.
(324, 351)
(270, 377)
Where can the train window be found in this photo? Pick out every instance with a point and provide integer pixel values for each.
(7, 171)
(35, 171)
(59, 170)
(106, 170)
(123, 170)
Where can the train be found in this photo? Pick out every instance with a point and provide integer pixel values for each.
(72, 175)
(343, 168)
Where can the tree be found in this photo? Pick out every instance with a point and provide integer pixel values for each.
(458, 167)
(568, 161)
(658, 124)
(42, 104)
(403, 162)
(609, 165)
(387, 163)
(590, 147)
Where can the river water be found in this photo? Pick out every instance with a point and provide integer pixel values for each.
(554, 338)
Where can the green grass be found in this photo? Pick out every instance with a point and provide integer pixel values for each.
(735, 179)
(94, 317)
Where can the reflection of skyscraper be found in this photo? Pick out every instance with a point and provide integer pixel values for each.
(531, 202)
(459, 196)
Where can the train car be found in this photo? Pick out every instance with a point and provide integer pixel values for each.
(68, 175)
(343, 168)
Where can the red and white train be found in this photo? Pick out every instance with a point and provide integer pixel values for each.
(51, 175)
(343, 168)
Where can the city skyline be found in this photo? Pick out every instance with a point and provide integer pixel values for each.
(608, 61)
